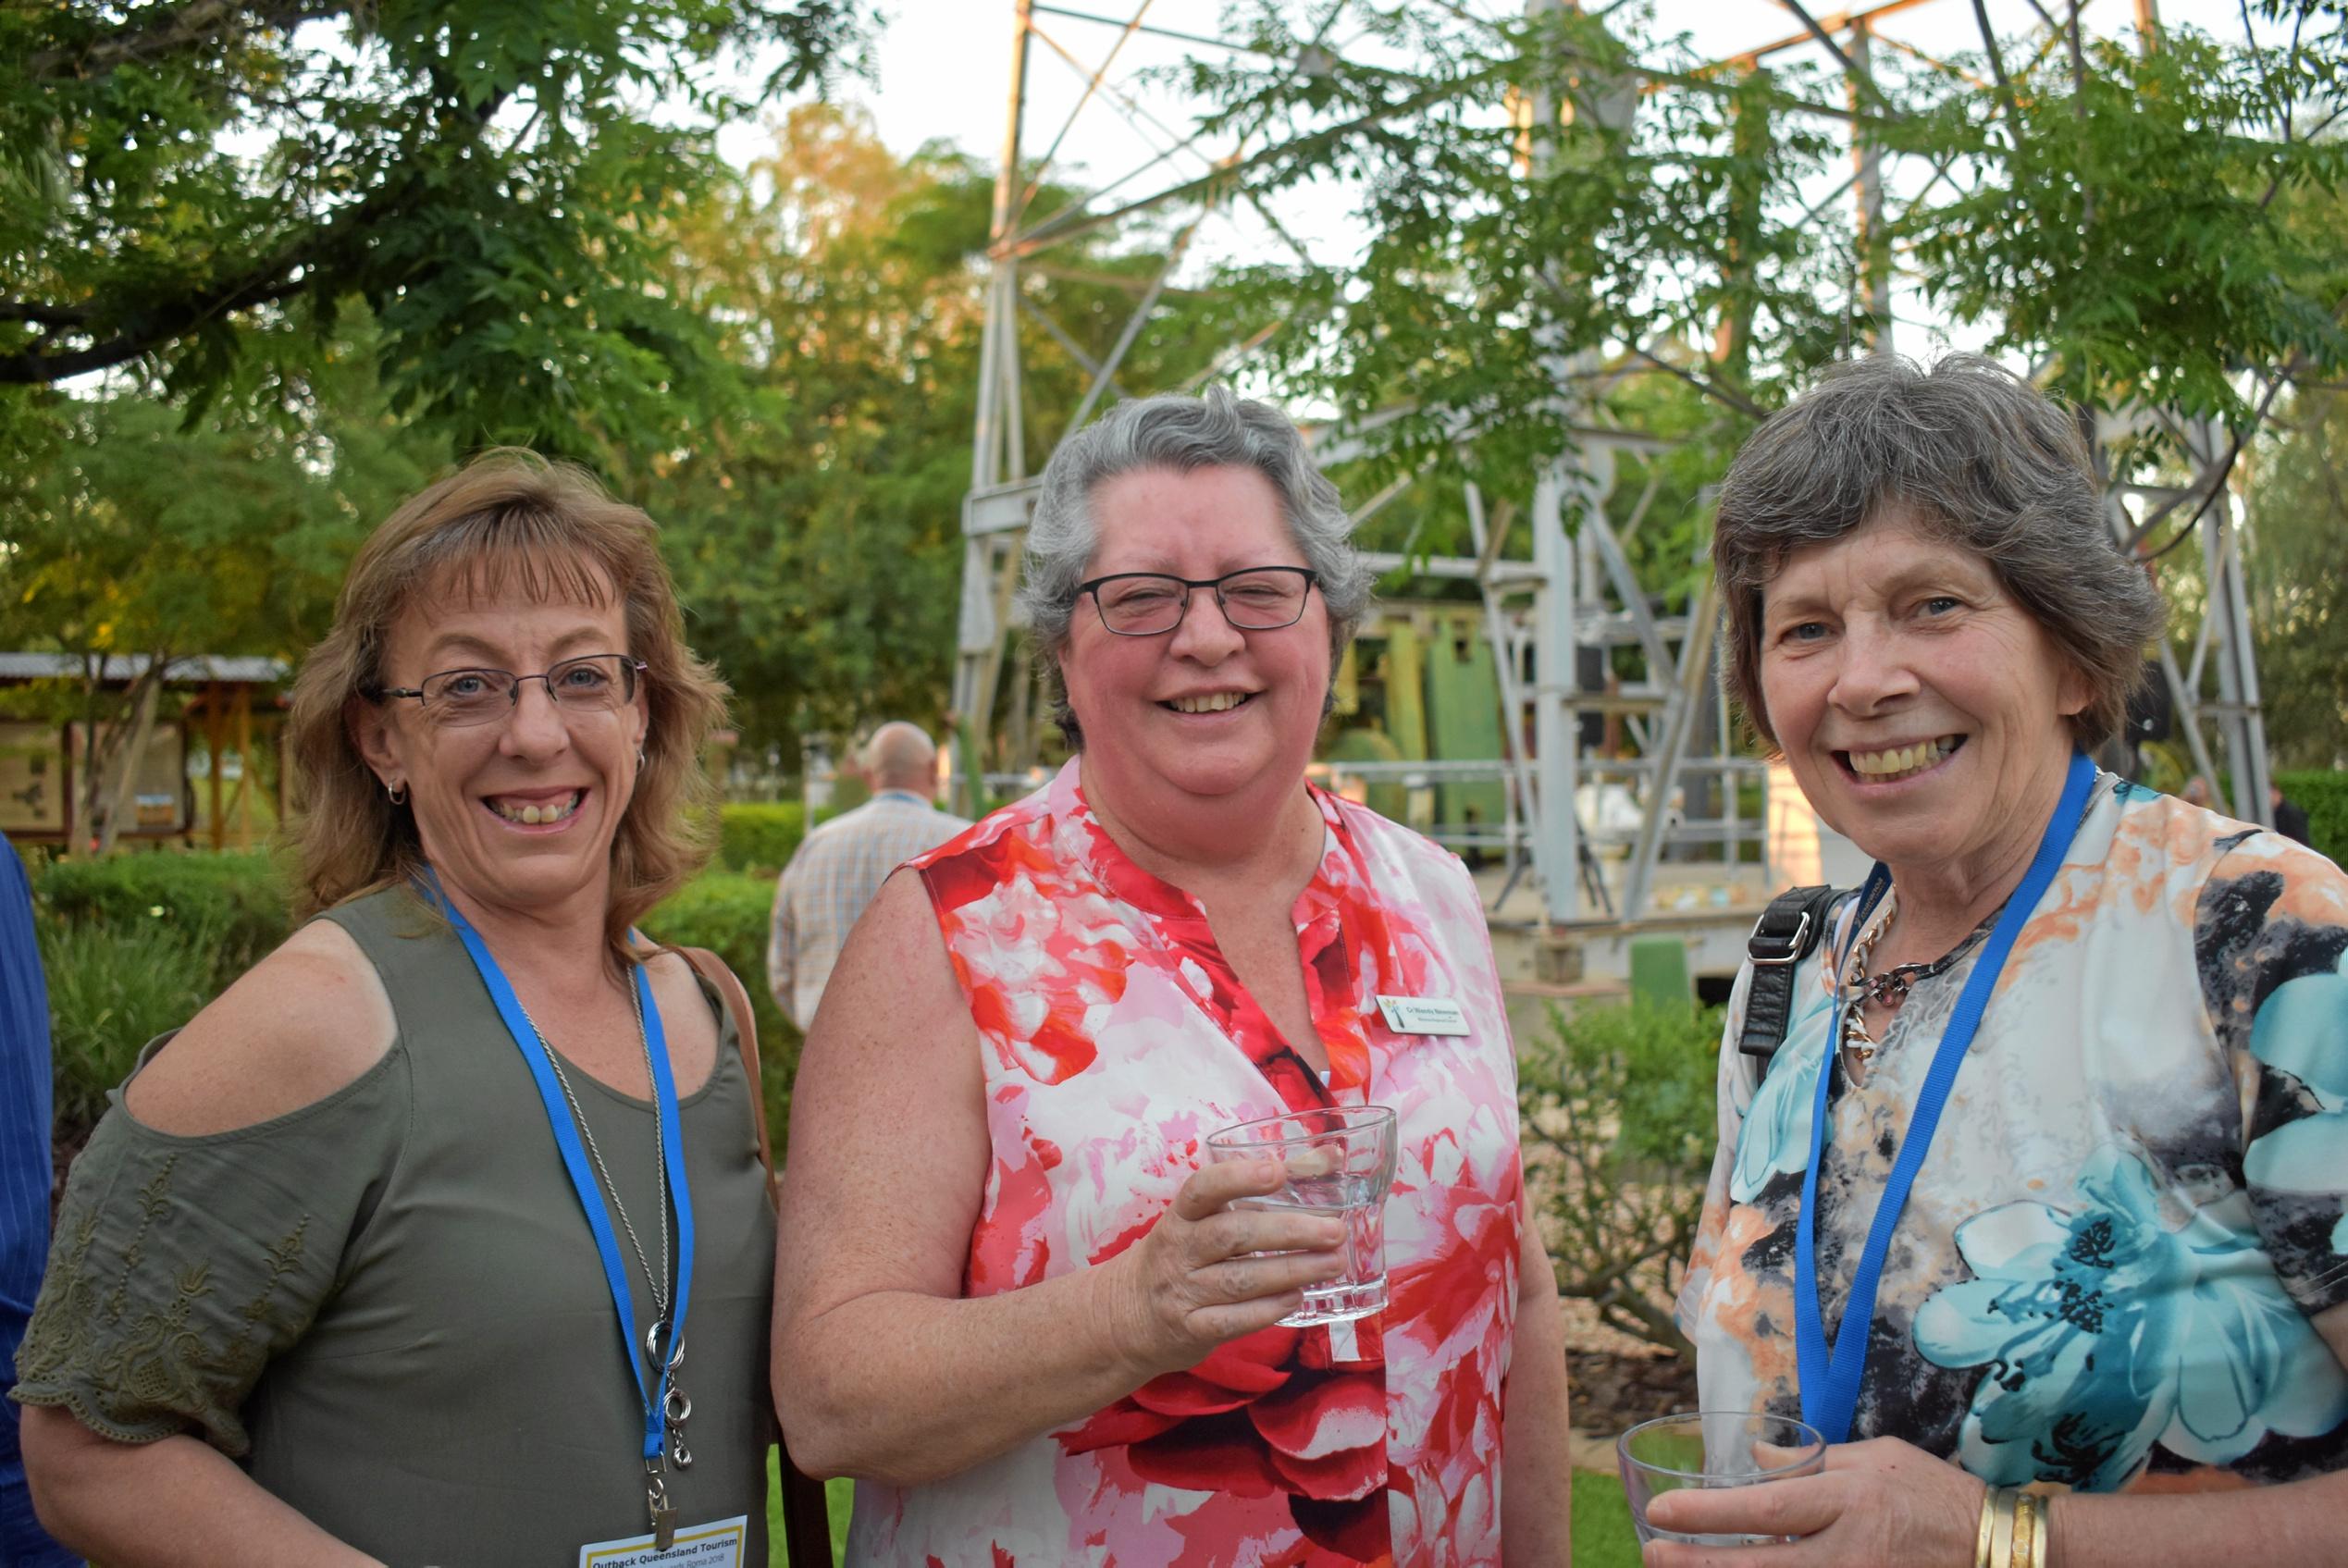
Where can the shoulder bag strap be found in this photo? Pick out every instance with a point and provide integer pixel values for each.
(1788, 932)
(806, 1514)
(745, 1035)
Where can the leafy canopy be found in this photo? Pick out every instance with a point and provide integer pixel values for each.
(176, 178)
(1557, 200)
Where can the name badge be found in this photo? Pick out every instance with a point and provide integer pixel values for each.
(715, 1545)
(1422, 1014)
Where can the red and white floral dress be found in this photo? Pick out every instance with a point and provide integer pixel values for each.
(1115, 1038)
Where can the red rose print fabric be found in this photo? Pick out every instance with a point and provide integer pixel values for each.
(1116, 1037)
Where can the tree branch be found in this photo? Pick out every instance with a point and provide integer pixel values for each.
(1997, 70)
(200, 22)
(1850, 68)
(282, 276)
(41, 314)
(264, 286)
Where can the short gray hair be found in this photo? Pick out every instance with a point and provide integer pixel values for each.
(1974, 455)
(1215, 430)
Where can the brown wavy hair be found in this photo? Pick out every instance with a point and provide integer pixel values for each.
(509, 519)
(1972, 454)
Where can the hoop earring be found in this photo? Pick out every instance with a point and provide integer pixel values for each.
(639, 757)
(396, 794)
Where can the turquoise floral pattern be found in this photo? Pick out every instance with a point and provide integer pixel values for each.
(2303, 1030)
(1774, 1138)
(2104, 1330)
(2125, 1258)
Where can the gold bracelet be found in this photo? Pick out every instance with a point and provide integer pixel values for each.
(2001, 1530)
(2025, 1532)
(1988, 1517)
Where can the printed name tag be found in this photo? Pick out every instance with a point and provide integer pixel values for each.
(1422, 1014)
(715, 1545)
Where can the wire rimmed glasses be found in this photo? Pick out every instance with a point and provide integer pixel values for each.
(1150, 604)
(594, 683)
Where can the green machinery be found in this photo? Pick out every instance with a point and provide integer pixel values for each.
(1417, 685)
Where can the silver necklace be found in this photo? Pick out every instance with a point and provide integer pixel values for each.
(1892, 986)
(678, 1408)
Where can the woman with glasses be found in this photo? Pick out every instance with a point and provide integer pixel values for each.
(441, 1237)
(1020, 1310)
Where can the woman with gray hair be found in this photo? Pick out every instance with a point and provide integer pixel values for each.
(1021, 1307)
(2032, 1193)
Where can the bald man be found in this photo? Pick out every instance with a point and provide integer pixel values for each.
(841, 865)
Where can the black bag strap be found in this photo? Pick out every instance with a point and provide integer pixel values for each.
(1788, 932)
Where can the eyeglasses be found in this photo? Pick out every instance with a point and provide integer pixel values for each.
(1149, 604)
(598, 683)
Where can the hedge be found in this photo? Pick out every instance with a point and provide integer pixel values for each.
(231, 907)
(2324, 797)
(728, 912)
(136, 943)
(758, 836)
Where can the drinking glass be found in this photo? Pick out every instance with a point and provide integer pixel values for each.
(1340, 1162)
(1712, 1449)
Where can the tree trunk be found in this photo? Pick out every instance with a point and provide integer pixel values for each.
(143, 698)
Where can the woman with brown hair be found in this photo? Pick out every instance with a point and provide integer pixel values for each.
(396, 1252)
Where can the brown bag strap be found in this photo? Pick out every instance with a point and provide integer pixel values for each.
(745, 1035)
(806, 1513)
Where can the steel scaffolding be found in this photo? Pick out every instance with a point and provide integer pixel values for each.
(1576, 589)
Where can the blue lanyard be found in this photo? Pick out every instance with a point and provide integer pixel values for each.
(575, 1160)
(1830, 1374)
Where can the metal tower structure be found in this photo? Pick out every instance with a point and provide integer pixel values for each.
(1576, 589)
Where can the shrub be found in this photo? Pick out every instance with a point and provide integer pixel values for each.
(728, 913)
(1618, 1122)
(233, 906)
(2324, 797)
(758, 836)
(134, 945)
(113, 988)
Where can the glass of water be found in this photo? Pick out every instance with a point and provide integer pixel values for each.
(1712, 1449)
(1340, 1161)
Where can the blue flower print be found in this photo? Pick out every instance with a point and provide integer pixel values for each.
(2303, 1030)
(2104, 1331)
(1774, 1138)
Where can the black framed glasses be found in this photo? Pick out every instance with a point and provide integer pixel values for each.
(594, 683)
(1150, 604)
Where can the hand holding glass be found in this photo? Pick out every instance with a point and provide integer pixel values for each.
(1710, 1450)
(1339, 1163)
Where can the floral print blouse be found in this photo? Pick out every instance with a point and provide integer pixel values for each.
(1116, 1037)
(2137, 1200)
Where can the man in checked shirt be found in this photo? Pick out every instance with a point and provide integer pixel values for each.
(841, 865)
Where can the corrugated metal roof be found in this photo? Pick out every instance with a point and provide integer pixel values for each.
(244, 669)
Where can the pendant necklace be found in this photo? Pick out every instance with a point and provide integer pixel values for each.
(677, 1408)
(1891, 987)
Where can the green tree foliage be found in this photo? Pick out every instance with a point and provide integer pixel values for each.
(1522, 216)
(2295, 543)
(815, 525)
(1618, 1117)
(2129, 224)
(185, 184)
(1555, 200)
(145, 532)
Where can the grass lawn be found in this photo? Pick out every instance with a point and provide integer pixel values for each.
(1602, 1536)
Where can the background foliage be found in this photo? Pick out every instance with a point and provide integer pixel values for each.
(1618, 1120)
(2324, 797)
(135, 945)
(199, 190)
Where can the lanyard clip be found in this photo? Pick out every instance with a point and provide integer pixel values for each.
(656, 1499)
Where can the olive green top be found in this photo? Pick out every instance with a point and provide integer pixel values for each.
(389, 1305)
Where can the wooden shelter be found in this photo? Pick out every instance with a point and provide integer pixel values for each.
(195, 780)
